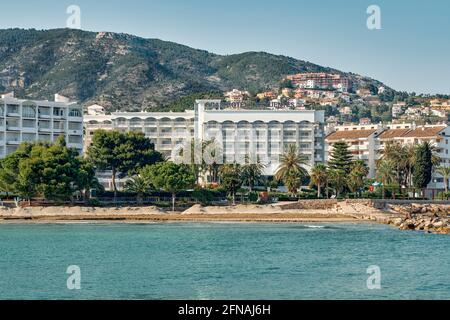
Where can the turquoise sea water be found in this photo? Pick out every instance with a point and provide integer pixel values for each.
(221, 261)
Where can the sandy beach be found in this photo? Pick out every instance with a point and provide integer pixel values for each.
(245, 213)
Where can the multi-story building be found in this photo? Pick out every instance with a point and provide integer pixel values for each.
(265, 132)
(361, 141)
(165, 129)
(28, 121)
(320, 80)
(368, 142)
(236, 95)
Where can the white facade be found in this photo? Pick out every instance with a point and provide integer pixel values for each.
(263, 133)
(266, 132)
(30, 121)
(95, 110)
(368, 142)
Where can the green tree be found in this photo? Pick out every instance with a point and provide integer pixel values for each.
(169, 177)
(252, 173)
(338, 180)
(386, 174)
(138, 185)
(48, 169)
(9, 173)
(340, 157)
(85, 178)
(444, 171)
(123, 153)
(423, 166)
(319, 177)
(53, 170)
(357, 176)
(230, 176)
(290, 170)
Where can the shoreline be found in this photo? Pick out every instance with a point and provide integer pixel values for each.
(244, 217)
(421, 217)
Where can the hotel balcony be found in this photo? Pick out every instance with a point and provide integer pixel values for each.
(45, 129)
(75, 132)
(74, 145)
(75, 118)
(29, 129)
(13, 114)
(14, 142)
(13, 128)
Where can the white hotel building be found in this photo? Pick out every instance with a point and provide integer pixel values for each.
(30, 121)
(242, 131)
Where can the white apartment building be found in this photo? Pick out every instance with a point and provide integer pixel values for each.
(361, 140)
(265, 132)
(29, 121)
(165, 129)
(367, 142)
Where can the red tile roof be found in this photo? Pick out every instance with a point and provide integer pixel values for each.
(349, 134)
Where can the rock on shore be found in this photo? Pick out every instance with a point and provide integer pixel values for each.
(424, 217)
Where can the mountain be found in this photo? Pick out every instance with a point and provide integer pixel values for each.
(125, 72)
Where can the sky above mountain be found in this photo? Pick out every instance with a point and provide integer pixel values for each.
(410, 51)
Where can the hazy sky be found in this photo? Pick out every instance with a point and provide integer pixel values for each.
(411, 52)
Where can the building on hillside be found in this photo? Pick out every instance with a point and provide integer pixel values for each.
(365, 121)
(267, 95)
(95, 110)
(320, 80)
(398, 109)
(24, 120)
(364, 92)
(236, 95)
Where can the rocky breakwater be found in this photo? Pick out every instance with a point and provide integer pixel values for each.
(431, 218)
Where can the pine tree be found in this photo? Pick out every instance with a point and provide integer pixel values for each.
(423, 166)
(340, 158)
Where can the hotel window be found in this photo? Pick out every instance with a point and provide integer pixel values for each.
(28, 123)
(74, 113)
(28, 137)
(44, 124)
(12, 108)
(58, 112)
(75, 139)
(28, 112)
(74, 126)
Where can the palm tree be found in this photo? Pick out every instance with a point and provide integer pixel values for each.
(409, 161)
(444, 171)
(138, 185)
(386, 173)
(398, 154)
(319, 177)
(338, 179)
(231, 179)
(252, 172)
(290, 170)
(213, 150)
(359, 172)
